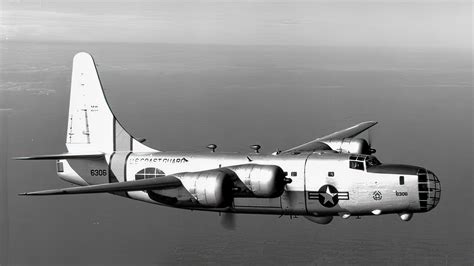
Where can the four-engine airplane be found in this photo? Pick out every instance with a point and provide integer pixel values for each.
(335, 175)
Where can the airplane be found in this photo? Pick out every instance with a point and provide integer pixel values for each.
(332, 176)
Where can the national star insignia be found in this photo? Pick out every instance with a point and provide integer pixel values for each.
(328, 196)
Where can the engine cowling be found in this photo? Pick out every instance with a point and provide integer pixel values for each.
(350, 145)
(211, 188)
(264, 181)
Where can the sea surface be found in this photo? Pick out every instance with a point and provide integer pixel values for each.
(183, 97)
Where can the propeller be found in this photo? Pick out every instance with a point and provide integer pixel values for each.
(369, 141)
(228, 220)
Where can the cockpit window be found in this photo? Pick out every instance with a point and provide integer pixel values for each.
(372, 161)
(358, 162)
(356, 165)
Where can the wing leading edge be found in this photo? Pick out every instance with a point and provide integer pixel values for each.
(350, 132)
(318, 144)
(136, 185)
(90, 155)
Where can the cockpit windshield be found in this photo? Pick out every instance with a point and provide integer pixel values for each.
(372, 161)
(359, 161)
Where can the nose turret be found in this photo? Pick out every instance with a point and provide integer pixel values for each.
(429, 190)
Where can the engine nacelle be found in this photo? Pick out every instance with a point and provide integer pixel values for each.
(211, 188)
(264, 181)
(350, 145)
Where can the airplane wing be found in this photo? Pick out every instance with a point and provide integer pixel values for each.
(89, 155)
(318, 144)
(136, 185)
(350, 132)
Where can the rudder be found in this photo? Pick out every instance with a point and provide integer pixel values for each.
(91, 124)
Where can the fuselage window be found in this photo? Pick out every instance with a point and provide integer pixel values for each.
(60, 167)
(148, 173)
(293, 174)
(140, 175)
(356, 165)
(331, 174)
(402, 180)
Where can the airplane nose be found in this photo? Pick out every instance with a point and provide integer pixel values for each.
(429, 190)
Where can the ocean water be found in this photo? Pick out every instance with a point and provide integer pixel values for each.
(183, 97)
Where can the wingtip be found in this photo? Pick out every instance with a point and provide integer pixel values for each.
(19, 158)
(23, 194)
(370, 122)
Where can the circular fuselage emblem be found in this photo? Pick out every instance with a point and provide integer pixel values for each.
(328, 196)
(377, 195)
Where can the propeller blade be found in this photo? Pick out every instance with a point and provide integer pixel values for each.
(369, 141)
(228, 220)
(369, 137)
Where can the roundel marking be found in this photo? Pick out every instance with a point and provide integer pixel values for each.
(328, 196)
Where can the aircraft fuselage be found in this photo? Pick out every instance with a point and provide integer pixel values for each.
(322, 183)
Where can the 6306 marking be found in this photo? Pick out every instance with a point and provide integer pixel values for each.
(98, 172)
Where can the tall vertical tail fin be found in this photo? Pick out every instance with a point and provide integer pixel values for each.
(91, 124)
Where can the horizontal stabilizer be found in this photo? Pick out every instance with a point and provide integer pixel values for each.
(136, 185)
(62, 156)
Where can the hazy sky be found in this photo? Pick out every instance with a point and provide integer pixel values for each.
(315, 23)
(318, 67)
(183, 97)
